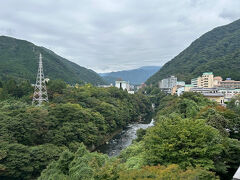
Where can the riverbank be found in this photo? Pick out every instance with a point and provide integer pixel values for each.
(123, 139)
(111, 136)
(106, 139)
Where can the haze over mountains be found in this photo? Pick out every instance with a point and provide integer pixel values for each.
(19, 59)
(217, 51)
(134, 76)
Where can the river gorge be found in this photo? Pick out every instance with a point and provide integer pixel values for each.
(123, 139)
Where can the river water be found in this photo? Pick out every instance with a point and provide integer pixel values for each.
(123, 139)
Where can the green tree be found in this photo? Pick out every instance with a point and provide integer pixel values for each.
(74, 115)
(231, 157)
(216, 120)
(55, 87)
(80, 165)
(15, 161)
(13, 89)
(184, 142)
(170, 172)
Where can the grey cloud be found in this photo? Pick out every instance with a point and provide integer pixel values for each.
(110, 35)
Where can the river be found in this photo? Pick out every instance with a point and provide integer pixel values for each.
(123, 139)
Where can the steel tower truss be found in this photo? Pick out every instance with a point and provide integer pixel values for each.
(40, 92)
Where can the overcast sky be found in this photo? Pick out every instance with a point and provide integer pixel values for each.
(111, 35)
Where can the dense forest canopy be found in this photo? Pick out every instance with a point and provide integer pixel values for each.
(216, 51)
(19, 59)
(193, 138)
(31, 137)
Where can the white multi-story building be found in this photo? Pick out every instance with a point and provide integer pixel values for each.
(122, 85)
(229, 93)
(211, 93)
(229, 83)
(168, 83)
(205, 90)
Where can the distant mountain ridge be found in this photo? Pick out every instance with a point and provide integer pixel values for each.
(217, 51)
(134, 76)
(19, 59)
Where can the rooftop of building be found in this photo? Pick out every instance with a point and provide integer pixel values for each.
(206, 89)
(213, 94)
(230, 80)
(230, 89)
(188, 85)
(208, 73)
(121, 81)
(218, 77)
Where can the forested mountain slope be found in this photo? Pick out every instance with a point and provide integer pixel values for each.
(217, 51)
(19, 59)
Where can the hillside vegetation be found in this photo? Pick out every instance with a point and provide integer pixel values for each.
(217, 51)
(31, 137)
(19, 59)
(193, 138)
